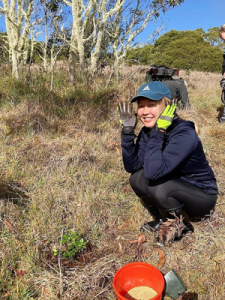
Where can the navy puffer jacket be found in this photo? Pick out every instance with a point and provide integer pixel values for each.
(178, 154)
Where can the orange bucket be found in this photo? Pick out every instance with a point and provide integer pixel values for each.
(138, 274)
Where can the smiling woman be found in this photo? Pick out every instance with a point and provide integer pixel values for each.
(169, 170)
(150, 110)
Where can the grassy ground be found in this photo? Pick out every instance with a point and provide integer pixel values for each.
(61, 170)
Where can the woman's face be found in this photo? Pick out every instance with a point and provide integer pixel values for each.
(149, 111)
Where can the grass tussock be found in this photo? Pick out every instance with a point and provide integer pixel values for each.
(61, 170)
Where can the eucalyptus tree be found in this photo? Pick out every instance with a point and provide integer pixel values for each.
(126, 18)
(85, 12)
(18, 15)
(213, 37)
(51, 20)
(25, 21)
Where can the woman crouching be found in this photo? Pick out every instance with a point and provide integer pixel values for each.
(169, 170)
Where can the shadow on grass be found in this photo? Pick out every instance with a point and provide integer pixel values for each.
(14, 192)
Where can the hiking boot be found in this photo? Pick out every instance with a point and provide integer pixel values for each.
(154, 212)
(151, 226)
(188, 225)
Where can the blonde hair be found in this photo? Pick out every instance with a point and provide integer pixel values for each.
(221, 30)
(165, 102)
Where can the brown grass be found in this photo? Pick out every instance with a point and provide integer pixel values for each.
(67, 173)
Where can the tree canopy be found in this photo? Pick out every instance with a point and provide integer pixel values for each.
(189, 50)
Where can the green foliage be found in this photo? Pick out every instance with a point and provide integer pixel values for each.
(79, 95)
(166, 3)
(73, 245)
(188, 50)
(39, 46)
(140, 55)
(13, 90)
(212, 36)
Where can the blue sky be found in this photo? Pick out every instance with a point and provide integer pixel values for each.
(190, 15)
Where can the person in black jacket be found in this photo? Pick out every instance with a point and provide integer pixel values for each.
(222, 36)
(178, 91)
(178, 86)
(169, 170)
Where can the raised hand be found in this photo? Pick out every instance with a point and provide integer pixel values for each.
(128, 120)
(166, 118)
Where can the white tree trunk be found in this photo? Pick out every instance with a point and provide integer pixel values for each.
(15, 64)
(17, 19)
(78, 35)
(72, 66)
(54, 54)
(73, 54)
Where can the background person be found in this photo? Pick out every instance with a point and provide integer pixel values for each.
(178, 91)
(222, 81)
(222, 36)
(169, 170)
(178, 86)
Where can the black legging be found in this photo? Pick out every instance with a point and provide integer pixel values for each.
(171, 194)
(223, 65)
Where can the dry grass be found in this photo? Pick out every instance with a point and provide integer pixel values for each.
(61, 169)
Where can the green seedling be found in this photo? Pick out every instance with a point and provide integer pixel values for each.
(73, 244)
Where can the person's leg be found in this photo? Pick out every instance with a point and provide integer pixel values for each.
(223, 65)
(140, 186)
(177, 194)
(179, 197)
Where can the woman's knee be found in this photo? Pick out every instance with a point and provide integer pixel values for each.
(158, 195)
(139, 184)
(162, 198)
